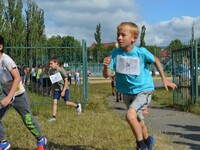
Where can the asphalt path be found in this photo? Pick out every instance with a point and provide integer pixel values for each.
(183, 127)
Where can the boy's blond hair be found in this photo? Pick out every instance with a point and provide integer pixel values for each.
(134, 29)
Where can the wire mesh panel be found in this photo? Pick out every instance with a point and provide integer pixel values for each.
(36, 61)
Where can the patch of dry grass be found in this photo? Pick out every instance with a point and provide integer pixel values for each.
(97, 128)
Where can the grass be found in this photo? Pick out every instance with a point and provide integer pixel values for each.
(97, 128)
(162, 97)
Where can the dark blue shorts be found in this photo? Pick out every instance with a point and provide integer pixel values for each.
(57, 94)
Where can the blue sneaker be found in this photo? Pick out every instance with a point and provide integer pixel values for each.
(5, 145)
(151, 145)
(42, 144)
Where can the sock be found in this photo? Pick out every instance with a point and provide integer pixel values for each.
(147, 141)
(141, 144)
(3, 141)
(40, 140)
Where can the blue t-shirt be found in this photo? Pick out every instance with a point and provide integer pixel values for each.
(131, 83)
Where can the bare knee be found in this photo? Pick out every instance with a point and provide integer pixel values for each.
(55, 102)
(67, 103)
(131, 115)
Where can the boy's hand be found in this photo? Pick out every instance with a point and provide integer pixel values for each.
(169, 84)
(106, 61)
(62, 93)
(5, 101)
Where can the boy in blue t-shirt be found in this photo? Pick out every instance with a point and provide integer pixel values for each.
(134, 80)
(14, 94)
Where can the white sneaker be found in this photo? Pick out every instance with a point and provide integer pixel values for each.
(79, 109)
(52, 119)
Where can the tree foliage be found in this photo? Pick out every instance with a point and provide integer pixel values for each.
(73, 52)
(155, 50)
(19, 28)
(35, 26)
(142, 42)
(175, 44)
(98, 44)
(23, 27)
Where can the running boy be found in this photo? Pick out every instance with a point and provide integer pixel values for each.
(133, 79)
(60, 87)
(14, 94)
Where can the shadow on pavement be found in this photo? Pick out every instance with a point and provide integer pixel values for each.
(193, 137)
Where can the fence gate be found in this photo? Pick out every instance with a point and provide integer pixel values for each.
(185, 71)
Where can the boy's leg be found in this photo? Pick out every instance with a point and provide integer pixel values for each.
(55, 106)
(148, 139)
(22, 106)
(68, 103)
(66, 99)
(134, 115)
(56, 96)
(131, 117)
(144, 129)
(54, 110)
(2, 130)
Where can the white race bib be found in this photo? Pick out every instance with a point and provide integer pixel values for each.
(55, 78)
(128, 65)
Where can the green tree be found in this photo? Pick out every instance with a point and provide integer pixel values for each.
(142, 42)
(41, 26)
(10, 19)
(54, 41)
(155, 50)
(2, 17)
(192, 38)
(73, 51)
(98, 44)
(35, 26)
(19, 25)
(175, 44)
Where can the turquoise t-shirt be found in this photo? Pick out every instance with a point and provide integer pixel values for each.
(134, 78)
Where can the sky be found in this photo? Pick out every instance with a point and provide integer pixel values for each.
(165, 20)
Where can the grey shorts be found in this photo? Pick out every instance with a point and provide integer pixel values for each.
(138, 102)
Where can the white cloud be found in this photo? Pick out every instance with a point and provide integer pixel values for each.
(79, 18)
(176, 28)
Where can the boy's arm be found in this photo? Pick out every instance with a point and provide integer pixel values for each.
(106, 71)
(165, 81)
(16, 80)
(65, 84)
(64, 87)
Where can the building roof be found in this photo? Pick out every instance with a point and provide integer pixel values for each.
(163, 53)
(104, 44)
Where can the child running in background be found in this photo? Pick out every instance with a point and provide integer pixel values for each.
(60, 87)
(133, 80)
(14, 94)
(114, 90)
(113, 84)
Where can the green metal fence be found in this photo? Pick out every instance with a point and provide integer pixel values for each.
(40, 55)
(185, 72)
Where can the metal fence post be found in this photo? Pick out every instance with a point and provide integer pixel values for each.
(85, 77)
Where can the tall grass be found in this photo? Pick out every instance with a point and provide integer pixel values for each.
(97, 128)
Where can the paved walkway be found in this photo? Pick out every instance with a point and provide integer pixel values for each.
(184, 127)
